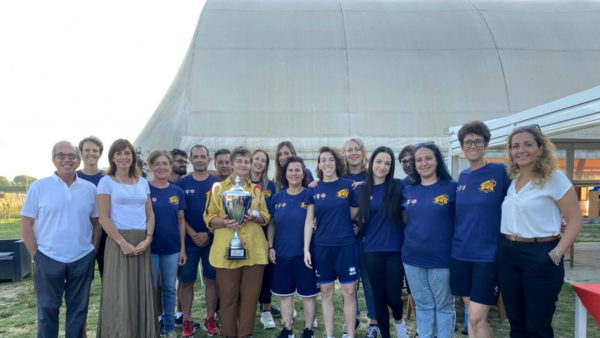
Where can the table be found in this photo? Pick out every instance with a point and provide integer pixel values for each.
(587, 299)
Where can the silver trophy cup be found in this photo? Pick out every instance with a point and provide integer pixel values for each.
(236, 202)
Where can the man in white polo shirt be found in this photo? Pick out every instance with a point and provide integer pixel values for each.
(58, 222)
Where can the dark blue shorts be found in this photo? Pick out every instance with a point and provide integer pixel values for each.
(189, 271)
(478, 281)
(336, 262)
(290, 276)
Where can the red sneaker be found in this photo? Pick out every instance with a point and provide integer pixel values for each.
(188, 329)
(210, 326)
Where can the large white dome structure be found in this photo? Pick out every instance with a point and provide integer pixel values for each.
(392, 72)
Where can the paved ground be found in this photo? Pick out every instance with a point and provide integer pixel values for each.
(587, 264)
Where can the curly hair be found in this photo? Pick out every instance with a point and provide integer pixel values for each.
(477, 128)
(339, 161)
(545, 164)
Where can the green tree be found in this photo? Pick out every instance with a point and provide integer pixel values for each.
(4, 182)
(23, 180)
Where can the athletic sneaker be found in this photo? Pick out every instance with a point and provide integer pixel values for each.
(267, 320)
(285, 333)
(188, 329)
(401, 330)
(372, 331)
(356, 325)
(276, 313)
(161, 326)
(172, 334)
(179, 320)
(210, 327)
(308, 333)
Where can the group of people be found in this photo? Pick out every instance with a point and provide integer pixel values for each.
(498, 229)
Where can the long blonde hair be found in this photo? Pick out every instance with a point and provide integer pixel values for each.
(264, 177)
(545, 164)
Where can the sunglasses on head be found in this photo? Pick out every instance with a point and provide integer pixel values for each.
(530, 127)
(424, 144)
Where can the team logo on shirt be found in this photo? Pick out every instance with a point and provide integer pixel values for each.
(487, 186)
(190, 191)
(461, 188)
(441, 199)
(174, 200)
(303, 205)
(411, 202)
(153, 199)
(280, 205)
(267, 193)
(351, 271)
(320, 196)
(343, 193)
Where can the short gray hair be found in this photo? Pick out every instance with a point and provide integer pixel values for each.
(63, 142)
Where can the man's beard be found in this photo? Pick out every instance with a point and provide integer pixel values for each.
(180, 172)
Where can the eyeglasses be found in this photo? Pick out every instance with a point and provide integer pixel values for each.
(62, 156)
(405, 161)
(469, 143)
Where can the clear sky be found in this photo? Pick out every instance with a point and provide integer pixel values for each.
(73, 68)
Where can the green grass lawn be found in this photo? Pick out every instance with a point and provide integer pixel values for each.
(18, 310)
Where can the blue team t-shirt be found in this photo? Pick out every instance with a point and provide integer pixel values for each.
(166, 203)
(360, 177)
(479, 197)
(289, 214)
(332, 201)
(94, 179)
(381, 234)
(407, 181)
(195, 200)
(268, 192)
(428, 233)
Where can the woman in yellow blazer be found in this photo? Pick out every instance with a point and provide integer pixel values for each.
(238, 281)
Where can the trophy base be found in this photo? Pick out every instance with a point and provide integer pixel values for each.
(236, 254)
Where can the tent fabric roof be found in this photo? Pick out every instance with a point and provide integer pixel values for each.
(317, 72)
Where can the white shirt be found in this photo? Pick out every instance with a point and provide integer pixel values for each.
(127, 202)
(63, 230)
(533, 212)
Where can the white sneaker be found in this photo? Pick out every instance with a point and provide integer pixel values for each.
(401, 330)
(315, 322)
(267, 320)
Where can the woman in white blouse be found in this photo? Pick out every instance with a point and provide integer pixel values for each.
(125, 212)
(529, 261)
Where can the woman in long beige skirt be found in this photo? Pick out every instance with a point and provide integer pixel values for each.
(125, 212)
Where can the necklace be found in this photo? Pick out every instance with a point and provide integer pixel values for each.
(121, 181)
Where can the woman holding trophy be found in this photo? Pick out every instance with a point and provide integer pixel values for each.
(235, 211)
